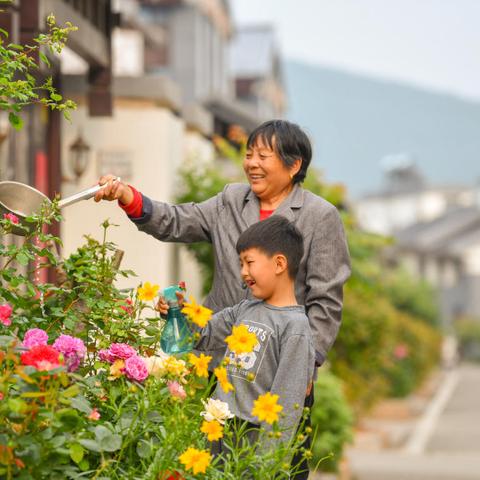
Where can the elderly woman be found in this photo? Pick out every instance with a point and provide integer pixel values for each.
(277, 158)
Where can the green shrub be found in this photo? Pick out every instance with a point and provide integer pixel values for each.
(468, 334)
(361, 351)
(332, 422)
(412, 296)
(416, 352)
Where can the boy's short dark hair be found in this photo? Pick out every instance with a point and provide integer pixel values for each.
(272, 236)
(291, 143)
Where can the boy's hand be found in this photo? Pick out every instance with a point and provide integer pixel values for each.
(162, 305)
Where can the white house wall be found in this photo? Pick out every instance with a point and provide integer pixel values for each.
(152, 140)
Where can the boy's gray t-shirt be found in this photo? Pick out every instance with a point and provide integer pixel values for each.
(282, 362)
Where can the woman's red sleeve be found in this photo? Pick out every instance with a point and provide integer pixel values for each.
(134, 208)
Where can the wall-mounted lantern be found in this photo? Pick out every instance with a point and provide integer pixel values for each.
(79, 156)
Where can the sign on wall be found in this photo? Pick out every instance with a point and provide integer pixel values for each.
(116, 162)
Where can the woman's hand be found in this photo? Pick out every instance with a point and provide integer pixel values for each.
(162, 305)
(114, 190)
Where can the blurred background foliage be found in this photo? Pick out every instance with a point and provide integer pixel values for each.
(389, 339)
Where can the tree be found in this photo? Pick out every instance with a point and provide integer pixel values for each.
(21, 81)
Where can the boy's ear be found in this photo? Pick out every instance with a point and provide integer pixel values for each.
(282, 264)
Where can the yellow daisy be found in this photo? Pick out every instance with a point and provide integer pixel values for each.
(241, 340)
(198, 314)
(147, 292)
(196, 460)
(213, 430)
(175, 366)
(200, 363)
(221, 374)
(266, 408)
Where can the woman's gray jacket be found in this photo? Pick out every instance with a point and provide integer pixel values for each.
(323, 270)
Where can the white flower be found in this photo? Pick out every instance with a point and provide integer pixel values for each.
(156, 365)
(216, 410)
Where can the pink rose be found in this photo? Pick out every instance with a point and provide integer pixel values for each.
(94, 414)
(5, 313)
(10, 216)
(121, 351)
(34, 337)
(401, 351)
(176, 390)
(135, 369)
(73, 350)
(106, 356)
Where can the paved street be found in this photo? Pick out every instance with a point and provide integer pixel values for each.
(446, 444)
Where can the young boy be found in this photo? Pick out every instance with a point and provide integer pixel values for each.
(282, 361)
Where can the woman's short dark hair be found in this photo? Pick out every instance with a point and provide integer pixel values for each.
(275, 235)
(288, 140)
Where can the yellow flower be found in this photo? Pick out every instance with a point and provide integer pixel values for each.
(196, 460)
(200, 363)
(175, 366)
(116, 369)
(213, 430)
(266, 408)
(241, 340)
(147, 291)
(198, 314)
(221, 373)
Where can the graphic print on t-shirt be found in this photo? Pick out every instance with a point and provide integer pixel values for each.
(249, 363)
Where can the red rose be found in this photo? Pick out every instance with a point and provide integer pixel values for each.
(42, 357)
(170, 476)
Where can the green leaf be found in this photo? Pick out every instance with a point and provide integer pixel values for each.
(70, 419)
(112, 443)
(144, 449)
(15, 121)
(90, 445)
(56, 97)
(109, 442)
(58, 441)
(71, 391)
(4, 32)
(15, 46)
(45, 59)
(101, 433)
(17, 405)
(22, 258)
(81, 404)
(76, 452)
(32, 394)
(151, 330)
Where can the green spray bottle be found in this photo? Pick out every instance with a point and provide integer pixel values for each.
(176, 335)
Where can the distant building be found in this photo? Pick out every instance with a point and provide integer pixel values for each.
(446, 253)
(172, 89)
(407, 199)
(257, 71)
(436, 231)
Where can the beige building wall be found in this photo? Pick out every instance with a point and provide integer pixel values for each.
(145, 144)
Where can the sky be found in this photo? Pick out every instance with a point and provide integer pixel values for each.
(434, 44)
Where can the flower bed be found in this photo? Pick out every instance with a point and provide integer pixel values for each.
(85, 391)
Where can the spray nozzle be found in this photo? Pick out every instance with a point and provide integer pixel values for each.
(170, 295)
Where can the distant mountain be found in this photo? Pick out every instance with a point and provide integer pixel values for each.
(355, 121)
